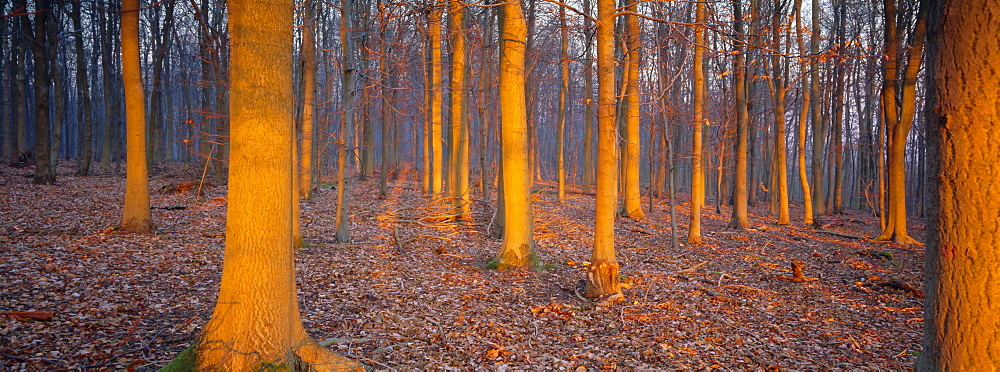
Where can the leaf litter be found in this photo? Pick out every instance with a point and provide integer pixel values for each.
(411, 290)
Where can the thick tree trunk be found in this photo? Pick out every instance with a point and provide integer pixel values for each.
(42, 84)
(135, 217)
(961, 325)
(899, 119)
(602, 275)
(518, 245)
(256, 322)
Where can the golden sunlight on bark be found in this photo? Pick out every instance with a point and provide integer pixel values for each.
(256, 322)
(518, 245)
(136, 216)
(962, 311)
(602, 275)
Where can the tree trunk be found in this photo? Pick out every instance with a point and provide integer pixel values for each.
(518, 245)
(697, 172)
(459, 125)
(348, 96)
(256, 322)
(437, 100)
(83, 166)
(899, 119)
(631, 203)
(807, 204)
(961, 326)
(779, 89)
(135, 217)
(563, 93)
(818, 134)
(43, 80)
(588, 112)
(308, 98)
(740, 208)
(602, 275)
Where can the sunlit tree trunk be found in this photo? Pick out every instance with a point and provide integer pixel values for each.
(807, 205)
(962, 314)
(602, 274)
(697, 172)
(459, 125)
(563, 93)
(518, 245)
(256, 323)
(631, 203)
(348, 97)
(899, 118)
(740, 219)
(437, 100)
(779, 89)
(308, 110)
(136, 216)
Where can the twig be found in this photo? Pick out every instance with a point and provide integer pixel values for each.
(840, 234)
(689, 269)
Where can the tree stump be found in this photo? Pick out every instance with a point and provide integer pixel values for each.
(602, 280)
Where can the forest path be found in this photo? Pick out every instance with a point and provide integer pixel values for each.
(411, 290)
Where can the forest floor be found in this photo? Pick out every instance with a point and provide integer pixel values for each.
(413, 293)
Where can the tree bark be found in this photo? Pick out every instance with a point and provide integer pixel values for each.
(459, 125)
(83, 82)
(518, 244)
(135, 217)
(256, 322)
(308, 98)
(740, 204)
(602, 275)
(961, 326)
(697, 171)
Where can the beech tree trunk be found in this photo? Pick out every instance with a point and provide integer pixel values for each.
(740, 204)
(459, 125)
(518, 244)
(308, 109)
(256, 323)
(588, 111)
(135, 217)
(82, 81)
(38, 39)
(602, 275)
(697, 171)
(563, 93)
(961, 321)
(437, 100)
(807, 205)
